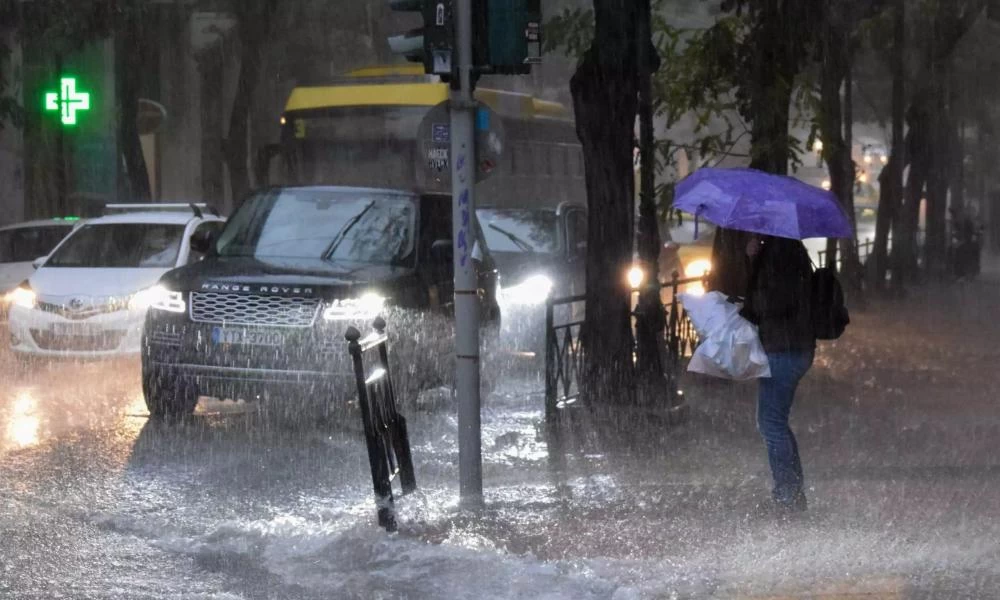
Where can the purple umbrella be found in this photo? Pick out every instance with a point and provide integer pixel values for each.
(751, 200)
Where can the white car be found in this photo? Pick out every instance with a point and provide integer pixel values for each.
(23, 243)
(89, 297)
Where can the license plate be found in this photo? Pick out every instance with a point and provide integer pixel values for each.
(247, 337)
(71, 330)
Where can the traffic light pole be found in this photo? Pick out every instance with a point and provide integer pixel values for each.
(463, 178)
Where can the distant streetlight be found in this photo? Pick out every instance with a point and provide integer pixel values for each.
(826, 184)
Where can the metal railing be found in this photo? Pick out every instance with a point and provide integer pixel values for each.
(863, 250)
(866, 248)
(564, 352)
(385, 429)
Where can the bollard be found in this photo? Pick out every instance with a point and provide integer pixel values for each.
(386, 435)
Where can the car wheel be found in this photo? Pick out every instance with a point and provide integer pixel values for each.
(168, 397)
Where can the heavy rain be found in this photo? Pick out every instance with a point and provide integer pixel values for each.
(419, 299)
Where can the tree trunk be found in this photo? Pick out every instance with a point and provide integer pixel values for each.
(255, 25)
(129, 56)
(957, 172)
(774, 66)
(835, 130)
(852, 270)
(905, 245)
(604, 89)
(650, 319)
(938, 182)
(210, 70)
(891, 180)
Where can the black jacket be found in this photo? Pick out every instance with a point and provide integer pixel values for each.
(778, 297)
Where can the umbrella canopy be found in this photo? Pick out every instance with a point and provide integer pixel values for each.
(751, 200)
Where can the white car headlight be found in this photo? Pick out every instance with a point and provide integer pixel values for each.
(532, 291)
(698, 268)
(367, 306)
(22, 296)
(160, 298)
(636, 277)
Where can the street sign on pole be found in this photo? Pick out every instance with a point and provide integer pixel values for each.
(434, 143)
(461, 135)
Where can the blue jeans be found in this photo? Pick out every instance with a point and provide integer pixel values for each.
(774, 403)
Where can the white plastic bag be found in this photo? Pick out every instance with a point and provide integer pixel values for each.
(730, 346)
(708, 311)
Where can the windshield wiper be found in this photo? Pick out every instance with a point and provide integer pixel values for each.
(523, 245)
(342, 234)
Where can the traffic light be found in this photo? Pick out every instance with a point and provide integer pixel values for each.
(513, 30)
(431, 44)
(506, 36)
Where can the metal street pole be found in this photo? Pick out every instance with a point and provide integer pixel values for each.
(463, 175)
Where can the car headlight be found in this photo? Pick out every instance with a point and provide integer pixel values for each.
(698, 268)
(636, 276)
(160, 298)
(367, 306)
(532, 291)
(22, 296)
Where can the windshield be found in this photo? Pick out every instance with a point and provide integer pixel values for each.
(358, 146)
(25, 244)
(520, 230)
(355, 226)
(120, 245)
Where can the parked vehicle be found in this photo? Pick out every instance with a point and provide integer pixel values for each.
(89, 297)
(23, 243)
(686, 250)
(540, 253)
(264, 314)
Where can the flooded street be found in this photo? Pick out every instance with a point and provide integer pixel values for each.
(897, 425)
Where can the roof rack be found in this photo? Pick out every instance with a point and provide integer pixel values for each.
(198, 209)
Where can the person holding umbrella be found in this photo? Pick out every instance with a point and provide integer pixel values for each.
(776, 212)
(778, 301)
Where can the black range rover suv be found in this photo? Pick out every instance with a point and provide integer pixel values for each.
(264, 313)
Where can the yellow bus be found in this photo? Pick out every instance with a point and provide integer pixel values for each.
(362, 131)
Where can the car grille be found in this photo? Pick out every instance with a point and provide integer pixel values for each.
(84, 311)
(253, 309)
(104, 341)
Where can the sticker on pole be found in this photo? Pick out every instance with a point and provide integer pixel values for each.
(434, 145)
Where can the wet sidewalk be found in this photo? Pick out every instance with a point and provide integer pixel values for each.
(897, 424)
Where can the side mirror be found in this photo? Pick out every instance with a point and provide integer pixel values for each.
(38, 262)
(202, 242)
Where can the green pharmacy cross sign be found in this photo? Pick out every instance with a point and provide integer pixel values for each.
(68, 101)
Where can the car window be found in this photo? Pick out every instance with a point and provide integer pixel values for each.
(120, 245)
(520, 230)
(25, 244)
